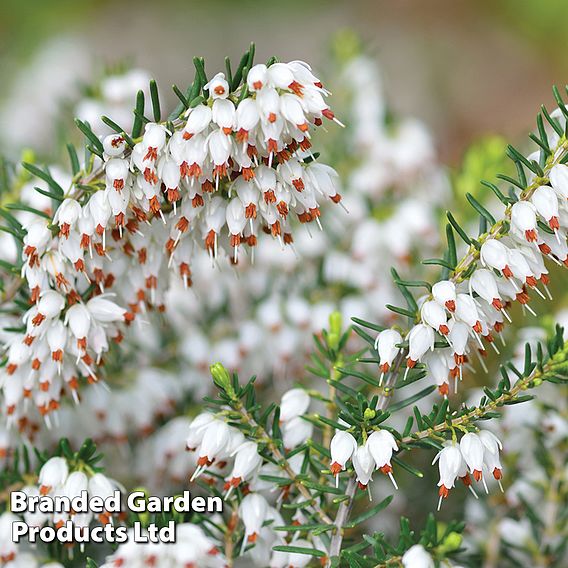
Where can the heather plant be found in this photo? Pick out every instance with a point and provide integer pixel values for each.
(182, 254)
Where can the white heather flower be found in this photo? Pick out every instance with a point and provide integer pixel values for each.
(66, 215)
(444, 292)
(253, 511)
(559, 179)
(483, 283)
(52, 474)
(101, 486)
(449, 464)
(417, 557)
(198, 119)
(492, 446)
(78, 318)
(342, 447)
(420, 340)
(523, 219)
(247, 462)
(546, 203)
(104, 310)
(438, 369)
(50, 305)
(364, 465)
(257, 77)
(295, 402)
(433, 314)
(8, 548)
(218, 86)
(75, 484)
(216, 438)
(114, 145)
(296, 431)
(494, 254)
(381, 445)
(386, 344)
(471, 448)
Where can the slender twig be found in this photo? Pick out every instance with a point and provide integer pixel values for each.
(479, 412)
(283, 462)
(346, 505)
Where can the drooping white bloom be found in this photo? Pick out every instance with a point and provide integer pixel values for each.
(420, 340)
(342, 447)
(471, 448)
(386, 344)
(449, 464)
(364, 465)
(444, 292)
(381, 444)
(253, 511)
(53, 474)
(295, 402)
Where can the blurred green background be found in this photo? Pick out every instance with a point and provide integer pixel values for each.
(465, 67)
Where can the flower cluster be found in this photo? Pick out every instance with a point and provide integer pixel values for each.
(235, 165)
(466, 312)
(375, 454)
(476, 454)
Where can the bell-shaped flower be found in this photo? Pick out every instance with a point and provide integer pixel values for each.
(471, 448)
(466, 311)
(495, 254)
(434, 315)
(492, 446)
(444, 292)
(483, 283)
(52, 474)
(381, 444)
(438, 369)
(253, 512)
(78, 318)
(197, 429)
(523, 219)
(558, 177)
(295, 402)
(342, 447)
(198, 120)
(449, 464)
(257, 77)
(218, 87)
(247, 462)
(215, 440)
(223, 115)
(104, 310)
(546, 203)
(386, 344)
(296, 431)
(117, 170)
(420, 340)
(364, 465)
(50, 305)
(66, 215)
(114, 145)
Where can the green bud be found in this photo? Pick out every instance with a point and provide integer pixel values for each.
(221, 377)
(369, 414)
(537, 382)
(335, 325)
(450, 543)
